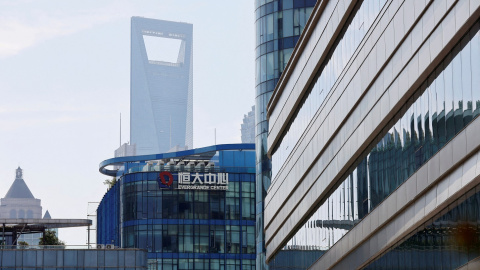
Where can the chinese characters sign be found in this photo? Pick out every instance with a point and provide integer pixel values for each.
(187, 180)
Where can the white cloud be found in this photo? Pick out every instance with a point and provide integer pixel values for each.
(21, 30)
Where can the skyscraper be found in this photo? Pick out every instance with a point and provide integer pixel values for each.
(248, 127)
(279, 24)
(161, 96)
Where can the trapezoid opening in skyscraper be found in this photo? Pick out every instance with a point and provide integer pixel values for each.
(161, 86)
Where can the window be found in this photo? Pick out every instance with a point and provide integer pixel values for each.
(233, 239)
(232, 201)
(13, 213)
(248, 200)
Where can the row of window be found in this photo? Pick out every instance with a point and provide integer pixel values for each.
(447, 102)
(445, 242)
(353, 33)
(153, 176)
(282, 24)
(277, 32)
(201, 264)
(21, 213)
(225, 161)
(277, 35)
(137, 197)
(270, 6)
(189, 238)
(275, 45)
(271, 65)
(144, 200)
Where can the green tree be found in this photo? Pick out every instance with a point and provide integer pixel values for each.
(22, 245)
(50, 238)
(110, 182)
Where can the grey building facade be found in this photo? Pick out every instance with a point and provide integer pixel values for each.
(373, 136)
(161, 91)
(278, 24)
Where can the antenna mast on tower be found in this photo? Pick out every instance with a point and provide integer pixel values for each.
(120, 129)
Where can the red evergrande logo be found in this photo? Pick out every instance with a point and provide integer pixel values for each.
(163, 182)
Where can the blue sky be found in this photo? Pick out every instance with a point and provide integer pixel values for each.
(64, 80)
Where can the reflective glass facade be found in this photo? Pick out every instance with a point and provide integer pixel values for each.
(161, 92)
(279, 24)
(447, 241)
(182, 228)
(354, 31)
(442, 107)
(294, 259)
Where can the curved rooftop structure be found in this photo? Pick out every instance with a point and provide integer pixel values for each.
(199, 155)
(46, 223)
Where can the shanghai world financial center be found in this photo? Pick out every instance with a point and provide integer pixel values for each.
(161, 89)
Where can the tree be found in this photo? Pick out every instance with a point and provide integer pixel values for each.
(22, 244)
(110, 182)
(50, 238)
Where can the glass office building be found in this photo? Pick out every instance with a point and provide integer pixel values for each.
(161, 86)
(279, 24)
(374, 138)
(191, 209)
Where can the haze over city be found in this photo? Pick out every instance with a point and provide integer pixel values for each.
(306, 134)
(65, 79)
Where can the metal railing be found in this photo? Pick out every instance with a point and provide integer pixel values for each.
(176, 168)
(47, 247)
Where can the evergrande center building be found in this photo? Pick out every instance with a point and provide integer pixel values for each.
(374, 137)
(192, 209)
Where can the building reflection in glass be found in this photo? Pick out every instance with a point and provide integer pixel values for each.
(445, 104)
(445, 242)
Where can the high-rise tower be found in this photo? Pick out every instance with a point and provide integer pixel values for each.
(161, 80)
(279, 24)
(248, 127)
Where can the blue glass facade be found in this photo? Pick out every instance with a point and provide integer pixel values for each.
(184, 228)
(442, 107)
(108, 218)
(279, 24)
